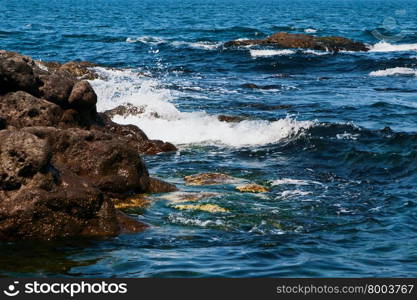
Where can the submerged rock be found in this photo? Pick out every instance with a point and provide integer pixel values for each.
(212, 208)
(188, 197)
(263, 106)
(209, 179)
(261, 87)
(252, 188)
(304, 41)
(157, 186)
(60, 161)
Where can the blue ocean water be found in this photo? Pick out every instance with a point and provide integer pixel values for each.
(333, 136)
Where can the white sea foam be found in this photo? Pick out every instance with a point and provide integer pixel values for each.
(294, 182)
(310, 30)
(197, 45)
(387, 47)
(154, 40)
(162, 120)
(347, 136)
(263, 53)
(146, 40)
(394, 71)
(176, 219)
(291, 193)
(270, 52)
(316, 52)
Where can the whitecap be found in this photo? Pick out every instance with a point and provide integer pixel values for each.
(146, 40)
(294, 182)
(310, 30)
(394, 71)
(387, 47)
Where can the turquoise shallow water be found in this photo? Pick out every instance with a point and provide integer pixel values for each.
(333, 136)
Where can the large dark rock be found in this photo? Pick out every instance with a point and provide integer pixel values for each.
(56, 88)
(61, 162)
(83, 96)
(22, 155)
(304, 41)
(20, 109)
(38, 201)
(17, 75)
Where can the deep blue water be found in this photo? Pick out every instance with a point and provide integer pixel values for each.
(335, 139)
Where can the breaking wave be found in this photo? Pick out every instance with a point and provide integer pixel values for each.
(161, 119)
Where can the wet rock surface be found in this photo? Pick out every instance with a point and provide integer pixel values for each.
(252, 188)
(304, 41)
(61, 162)
(209, 179)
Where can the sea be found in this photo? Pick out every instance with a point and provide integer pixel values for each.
(332, 136)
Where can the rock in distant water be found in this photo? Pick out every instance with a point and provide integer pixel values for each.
(61, 162)
(304, 41)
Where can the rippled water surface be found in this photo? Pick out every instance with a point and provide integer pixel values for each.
(333, 136)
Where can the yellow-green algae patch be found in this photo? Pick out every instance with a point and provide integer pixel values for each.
(138, 201)
(252, 188)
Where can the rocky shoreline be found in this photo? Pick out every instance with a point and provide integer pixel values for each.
(63, 164)
(65, 169)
